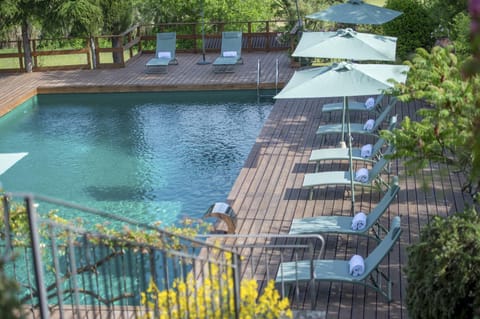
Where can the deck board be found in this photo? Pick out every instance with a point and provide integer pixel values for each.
(267, 194)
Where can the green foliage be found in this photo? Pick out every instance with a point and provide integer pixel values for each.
(443, 12)
(213, 298)
(10, 306)
(81, 17)
(117, 15)
(154, 11)
(443, 269)
(412, 28)
(460, 36)
(445, 133)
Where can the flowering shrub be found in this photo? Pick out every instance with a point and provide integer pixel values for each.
(213, 299)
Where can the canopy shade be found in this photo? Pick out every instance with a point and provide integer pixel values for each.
(346, 44)
(7, 160)
(355, 12)
(343, 79)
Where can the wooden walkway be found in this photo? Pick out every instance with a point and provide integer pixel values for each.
(267, 194)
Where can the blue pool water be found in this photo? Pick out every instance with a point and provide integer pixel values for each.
(146, 156)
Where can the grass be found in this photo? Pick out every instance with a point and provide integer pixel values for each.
(379, 3)
(57, 60)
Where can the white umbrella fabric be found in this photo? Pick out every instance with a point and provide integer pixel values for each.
(346, 44)
(355, 12)
(7, 160)
(343, 79)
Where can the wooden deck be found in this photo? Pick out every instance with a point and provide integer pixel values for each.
(267, 194)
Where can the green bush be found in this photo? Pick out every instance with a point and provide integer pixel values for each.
(10, 307)
(443, 269)
(460, 34)
(413, 28)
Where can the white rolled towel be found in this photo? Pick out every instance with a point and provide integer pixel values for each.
(361, 175)
(369, 125)
(370, 103)
(356, 265)
(359, 221)
(366, 150)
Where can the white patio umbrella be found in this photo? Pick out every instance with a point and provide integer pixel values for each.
(346, 44)
(355, 12)
(7, 160)
(343, 79)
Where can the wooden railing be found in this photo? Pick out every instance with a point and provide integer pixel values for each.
(14, 61)
(115, 51)
(82, 58)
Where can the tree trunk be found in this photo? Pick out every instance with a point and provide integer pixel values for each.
(117, 56)
(27, 50)
(93, 51)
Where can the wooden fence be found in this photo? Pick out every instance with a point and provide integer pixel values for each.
(115, 51)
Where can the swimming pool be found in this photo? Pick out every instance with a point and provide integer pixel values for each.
(147, 156)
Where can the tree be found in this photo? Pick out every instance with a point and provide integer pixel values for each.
(443, 267)
(117, 17)
(443, 11)
(445, 133)
(413, 28)
(25, 14)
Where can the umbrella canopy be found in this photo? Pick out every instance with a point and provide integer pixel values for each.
(343, 79)
(346, 44)
(355, 12)
(7, 160)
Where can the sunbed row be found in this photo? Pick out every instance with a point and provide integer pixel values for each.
(356, 270)
(165, 53)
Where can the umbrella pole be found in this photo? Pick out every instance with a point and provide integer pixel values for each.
(350, 157)
(345, 107)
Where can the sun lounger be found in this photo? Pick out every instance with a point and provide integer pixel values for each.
(355, 106)
(342, 153)
(164, 53)
(315, 270)
(343, 224)
(231, 52)
(358, 128)
(312, 180)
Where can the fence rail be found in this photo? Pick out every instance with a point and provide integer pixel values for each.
(100, 263)
(73, 261)
(115, 51)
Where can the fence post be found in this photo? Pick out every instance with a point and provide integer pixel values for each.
(20, 55)
(37, 257)
(236, 283)
(249, 35)
(34, 54)
(267, 38)
(139, 35)
(95, 48)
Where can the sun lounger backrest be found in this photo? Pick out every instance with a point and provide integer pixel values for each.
(384, 114)
(383, 204)
(232, 41)
(166, 42)
(378, 166)
(377, 255)
(381, 141)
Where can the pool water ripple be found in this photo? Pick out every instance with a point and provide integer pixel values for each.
(149, 156)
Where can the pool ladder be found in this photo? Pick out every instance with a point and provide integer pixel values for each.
(259, 76)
